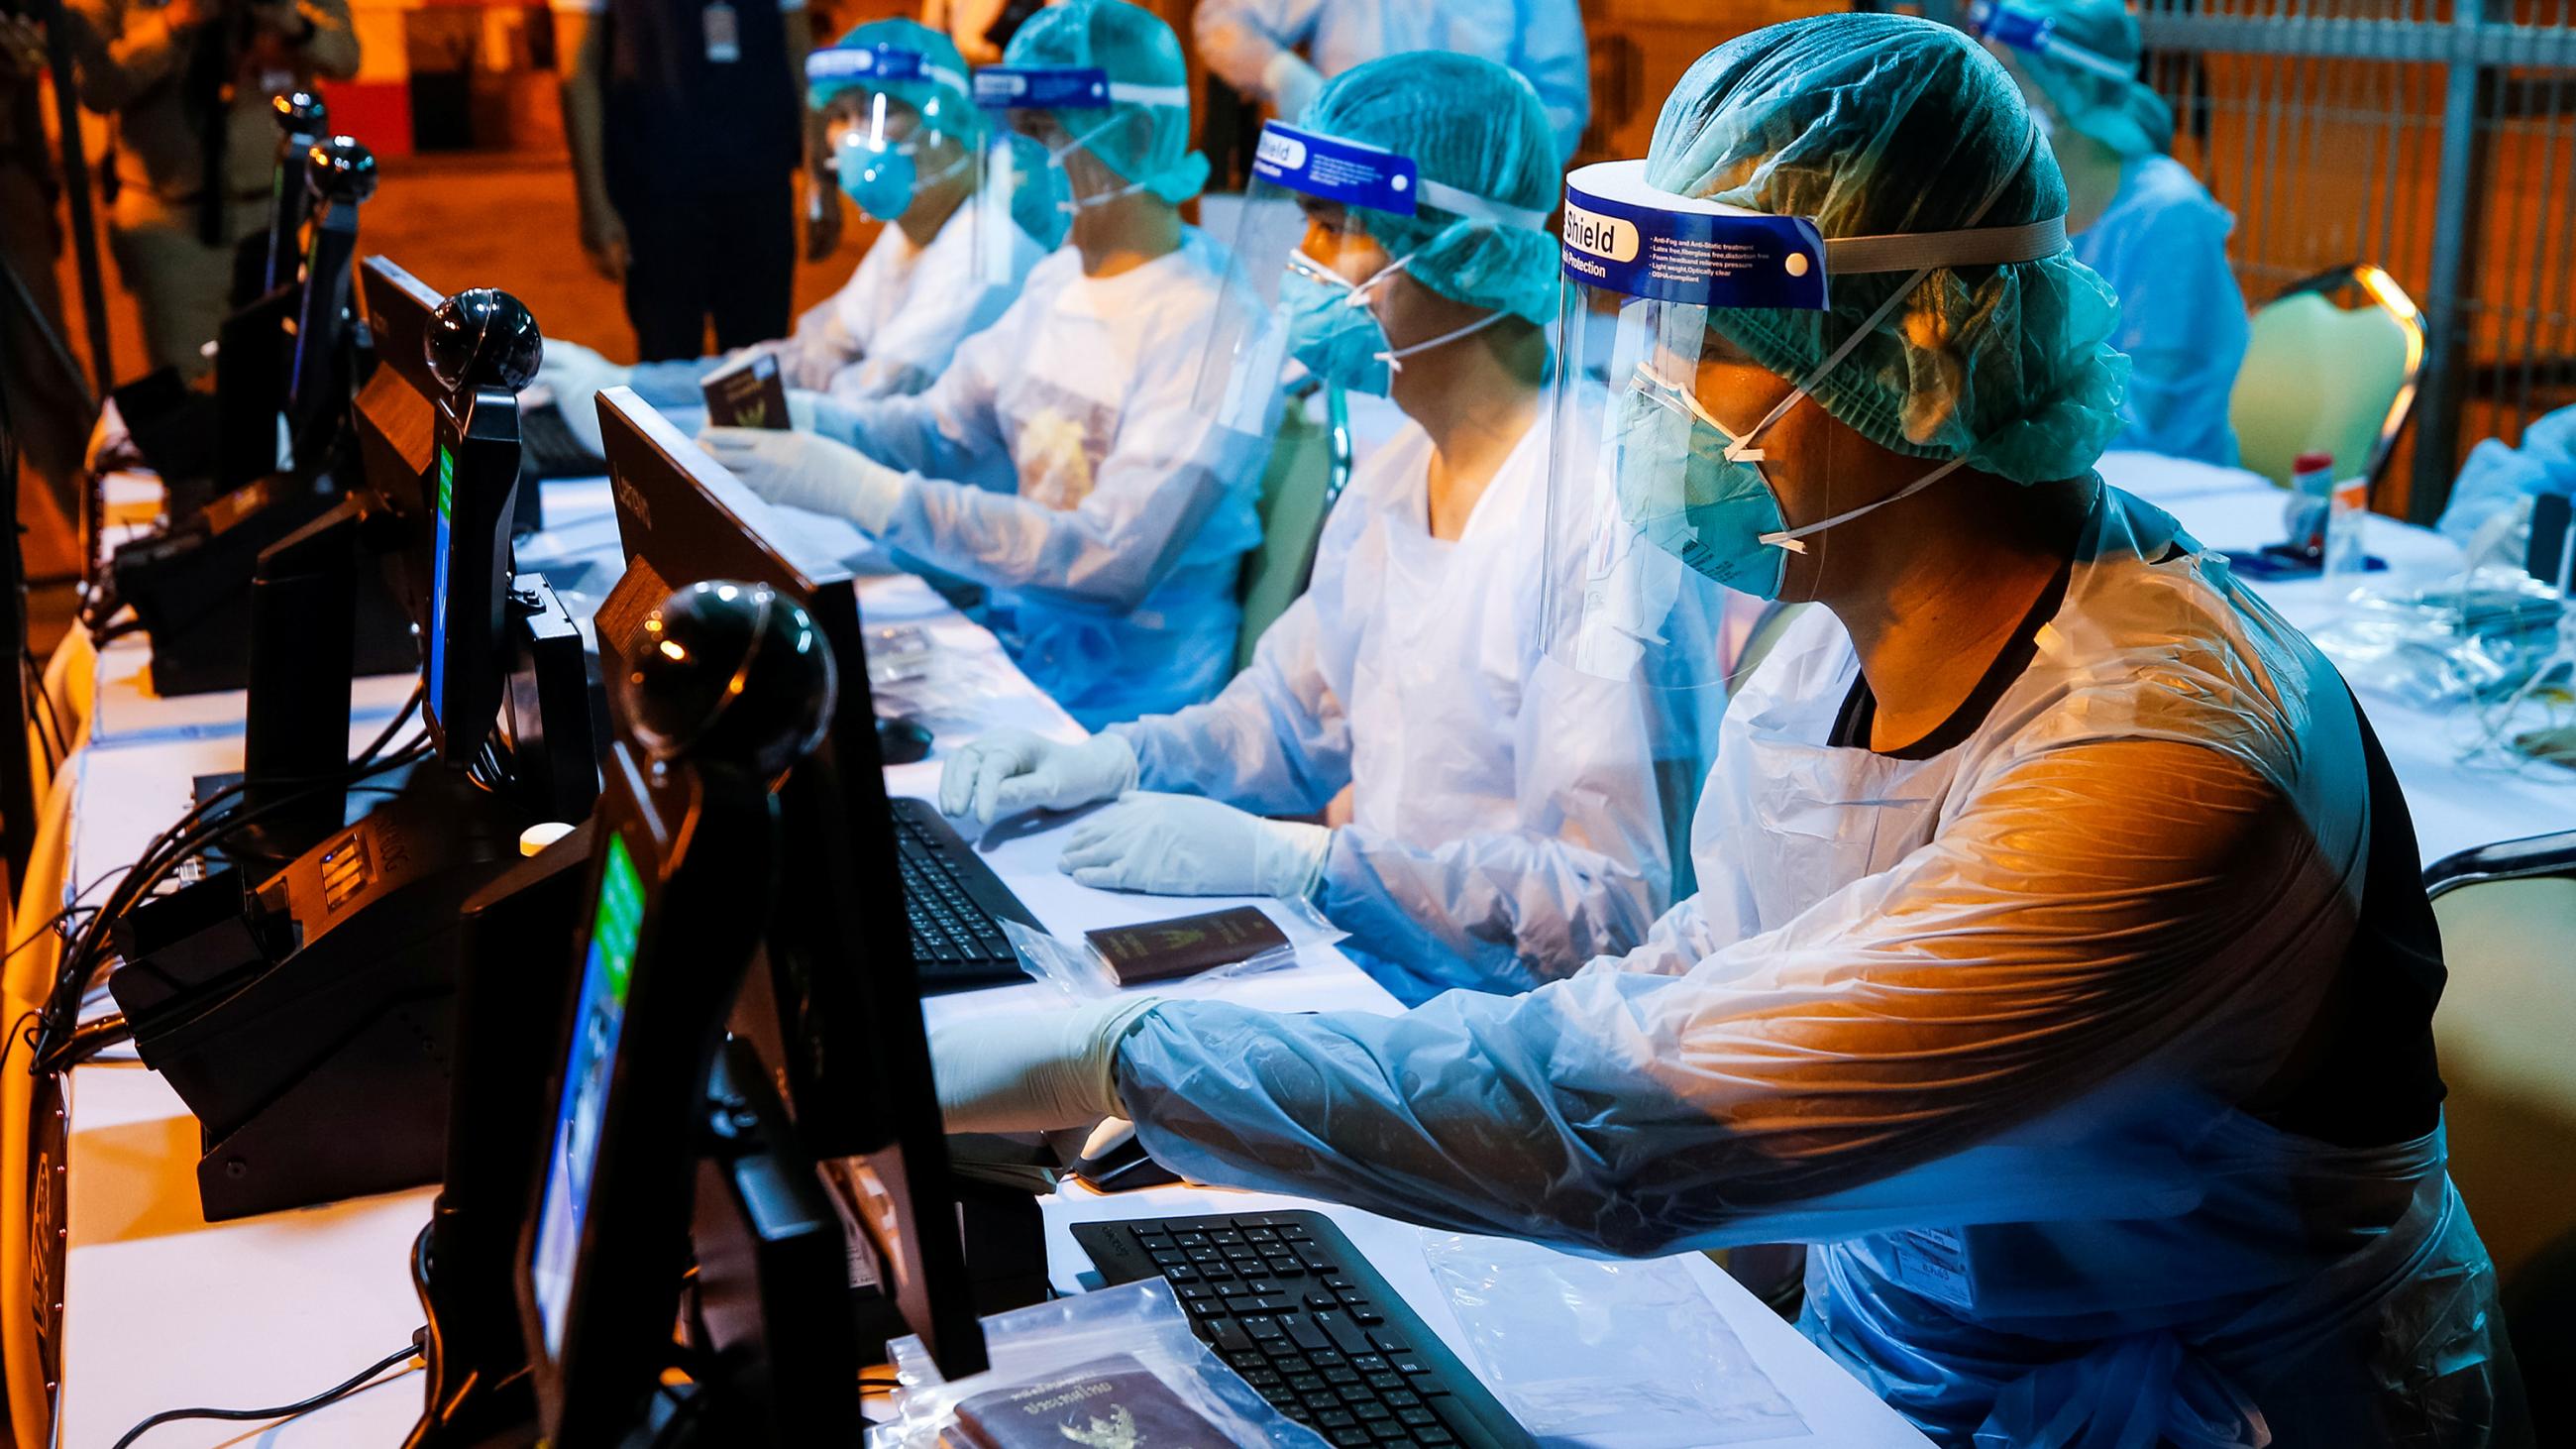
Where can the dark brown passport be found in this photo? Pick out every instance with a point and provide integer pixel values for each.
(1109, 1403)
(1185, 945)
(750, 393)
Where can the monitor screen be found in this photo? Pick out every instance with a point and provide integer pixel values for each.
(591, 1060)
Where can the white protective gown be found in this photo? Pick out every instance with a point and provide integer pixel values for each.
(1983, 1026)
(891, 328)
(1506, 825)
(1060, 461)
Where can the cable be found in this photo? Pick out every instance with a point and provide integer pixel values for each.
(169, 850)
(295, 1410)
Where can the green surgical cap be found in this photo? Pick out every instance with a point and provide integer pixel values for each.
(2125, 115)
(1874, 124)
(942, 107)
(1146, 144)
(1469, 123)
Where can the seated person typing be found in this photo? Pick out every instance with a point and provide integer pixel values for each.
(905, 139)
(1060, 461)
(1504, 823)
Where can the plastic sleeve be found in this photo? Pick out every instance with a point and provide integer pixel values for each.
(2086, 913)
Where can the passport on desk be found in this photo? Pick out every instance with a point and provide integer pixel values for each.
(1108, 1403)
(748, 392)
(1185, 945)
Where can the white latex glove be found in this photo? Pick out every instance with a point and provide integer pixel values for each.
(577, 375)
(1182, 845)
(1033, 1072)
(1291, 83)
(809, 471)
(1012, 770)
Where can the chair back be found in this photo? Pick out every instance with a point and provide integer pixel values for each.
(2503, 1030)
(1310, 464)
(2320, 377)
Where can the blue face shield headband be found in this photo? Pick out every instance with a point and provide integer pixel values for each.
(2031, 33)
(1680, 478)
(1330, 326)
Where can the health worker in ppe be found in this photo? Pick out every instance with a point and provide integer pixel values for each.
(2137, 217)
(2500, 482)
(2060, 967)
(1253, 45)
(908, 145)
(1059, 461)
(1492, 820)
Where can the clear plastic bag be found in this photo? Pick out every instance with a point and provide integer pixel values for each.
(1075, 968)
(2478, 638)
(1619, 1355)
(1068, 1340)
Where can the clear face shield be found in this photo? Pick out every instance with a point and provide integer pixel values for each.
(1687, 452)
(1310, 277)
(901, 131)
(1042, 164)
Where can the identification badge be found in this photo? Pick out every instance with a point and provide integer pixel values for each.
(1934, 1263)
(724, 34)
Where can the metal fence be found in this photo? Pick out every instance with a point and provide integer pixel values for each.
(2437, 140)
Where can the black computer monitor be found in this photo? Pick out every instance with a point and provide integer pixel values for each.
(849, 1044)
(341, 175)
(681, 859)
(473, 485)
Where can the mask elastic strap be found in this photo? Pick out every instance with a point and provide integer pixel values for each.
(1788, 538)
(1394, 360)
(1082, 204)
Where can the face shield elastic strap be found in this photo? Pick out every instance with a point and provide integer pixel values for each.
(1921, 253)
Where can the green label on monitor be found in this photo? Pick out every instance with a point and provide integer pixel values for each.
(621, 912)
(446, 478)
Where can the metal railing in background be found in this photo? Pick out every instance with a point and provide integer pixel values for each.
(2434, 138)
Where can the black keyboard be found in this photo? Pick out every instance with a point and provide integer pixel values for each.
(1286, 1300)
(956, 904)
(548, 448)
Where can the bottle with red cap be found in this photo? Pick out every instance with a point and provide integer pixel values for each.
(2311, 490)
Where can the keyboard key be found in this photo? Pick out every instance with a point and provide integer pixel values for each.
(1387, 1341)
(1368, 1363)
(1263, 1328)
(1335, 1419)
(1304, 1333)
(1230, 1337)
(1388, 1431)
(1319, 1403)
(1345, 1336)
(1351, 1438)
(1357, 1394)
(1373, 1412)
(1341, 1376)
(1433, 1435)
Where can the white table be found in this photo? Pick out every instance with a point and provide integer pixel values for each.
(163, 1309)
(2456, 807)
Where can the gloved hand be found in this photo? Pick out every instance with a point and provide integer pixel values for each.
(1291, 84)
(1182, 845)
(1012, 770)
(809, 471)
(1033, 1072)
(577, 375)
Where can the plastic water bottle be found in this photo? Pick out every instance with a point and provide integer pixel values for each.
(2346, 558)
(2303, 514)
